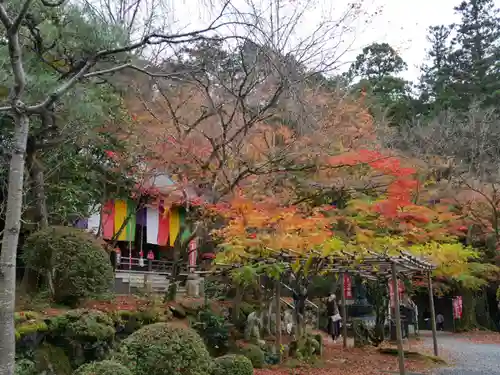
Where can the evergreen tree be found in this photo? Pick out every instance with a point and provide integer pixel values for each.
(435, 80)
(475, 71)
(377, 69)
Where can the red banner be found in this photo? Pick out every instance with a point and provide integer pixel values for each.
(401, 290)
(347, 286)
(193, 253)
(457, 307)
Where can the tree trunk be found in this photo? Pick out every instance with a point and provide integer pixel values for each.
(277, 301)
(42, 217)
(9, 247)
(238, 298)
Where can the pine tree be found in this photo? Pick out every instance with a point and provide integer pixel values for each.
(435, 79)
(474, 62)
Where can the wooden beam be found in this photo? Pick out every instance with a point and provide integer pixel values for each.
(397, 313)
(433, 314)
(344, 311)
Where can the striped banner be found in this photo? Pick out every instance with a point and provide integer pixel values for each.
(157, 225)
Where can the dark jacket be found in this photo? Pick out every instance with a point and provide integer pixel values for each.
(332, 307)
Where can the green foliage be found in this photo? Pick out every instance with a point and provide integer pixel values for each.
(162, 349)
(102, 368)
(214, 331)
(86, 335)
(255, 354)
(56, 41)
(25, 367)
(306, 348)
(233, 365)
(76, 261)
(128, 322)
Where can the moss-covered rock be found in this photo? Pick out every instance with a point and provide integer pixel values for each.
(77, 261)
(233, 364)
(86, 335)
(102, 368)
(164, 349)
(52, 360)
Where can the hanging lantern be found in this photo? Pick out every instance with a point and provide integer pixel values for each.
(151, 255)
(118, 256)
(141, 259)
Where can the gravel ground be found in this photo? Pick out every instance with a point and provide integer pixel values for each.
(468, 358)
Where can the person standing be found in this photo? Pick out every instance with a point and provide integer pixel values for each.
(334, 318)
(427, 318)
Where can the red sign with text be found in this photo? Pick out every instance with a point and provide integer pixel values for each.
(347, 286)
(457, 307)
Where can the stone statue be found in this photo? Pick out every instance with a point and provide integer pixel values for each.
(288, 322)
(193, 285)
(253, 326)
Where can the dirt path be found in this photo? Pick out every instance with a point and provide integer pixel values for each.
(466, 357)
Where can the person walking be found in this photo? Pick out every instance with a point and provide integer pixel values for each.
(334, 318)
(440, 321)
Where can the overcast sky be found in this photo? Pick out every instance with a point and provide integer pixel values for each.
(401, 23)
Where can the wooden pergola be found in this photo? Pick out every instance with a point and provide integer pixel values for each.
(374, 266)
(389, 267)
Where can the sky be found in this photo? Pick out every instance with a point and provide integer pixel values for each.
(401, 23)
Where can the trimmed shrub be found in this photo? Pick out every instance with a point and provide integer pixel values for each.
(78, 263)
(233, 364)
(85, 335)
(254, 354)
(164, 349)
(214, 331)
(102, 368)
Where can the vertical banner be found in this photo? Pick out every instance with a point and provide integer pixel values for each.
(93, 221)
(131, 221)
(193, 253)
(182, 225)
(152, 223)
(457, 307)
(391, 294)
(163, 225)
(401, 289)
(347, 286)
(108, 220)
(174, 225)
(120, 216)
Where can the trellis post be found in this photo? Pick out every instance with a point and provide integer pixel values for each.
(399, 335)
(433, 314)
(344, 310)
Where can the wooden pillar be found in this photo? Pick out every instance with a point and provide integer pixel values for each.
(344, 311)
(277, 287)
(433, 314)
(399, 335)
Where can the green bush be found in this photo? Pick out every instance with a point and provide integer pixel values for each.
(214, 331)
(164, 349)
(254, 354)
(86, 335)
(77, 261)
(102, 368)
(233, 365)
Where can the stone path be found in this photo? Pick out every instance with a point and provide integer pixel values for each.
(468, 358)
